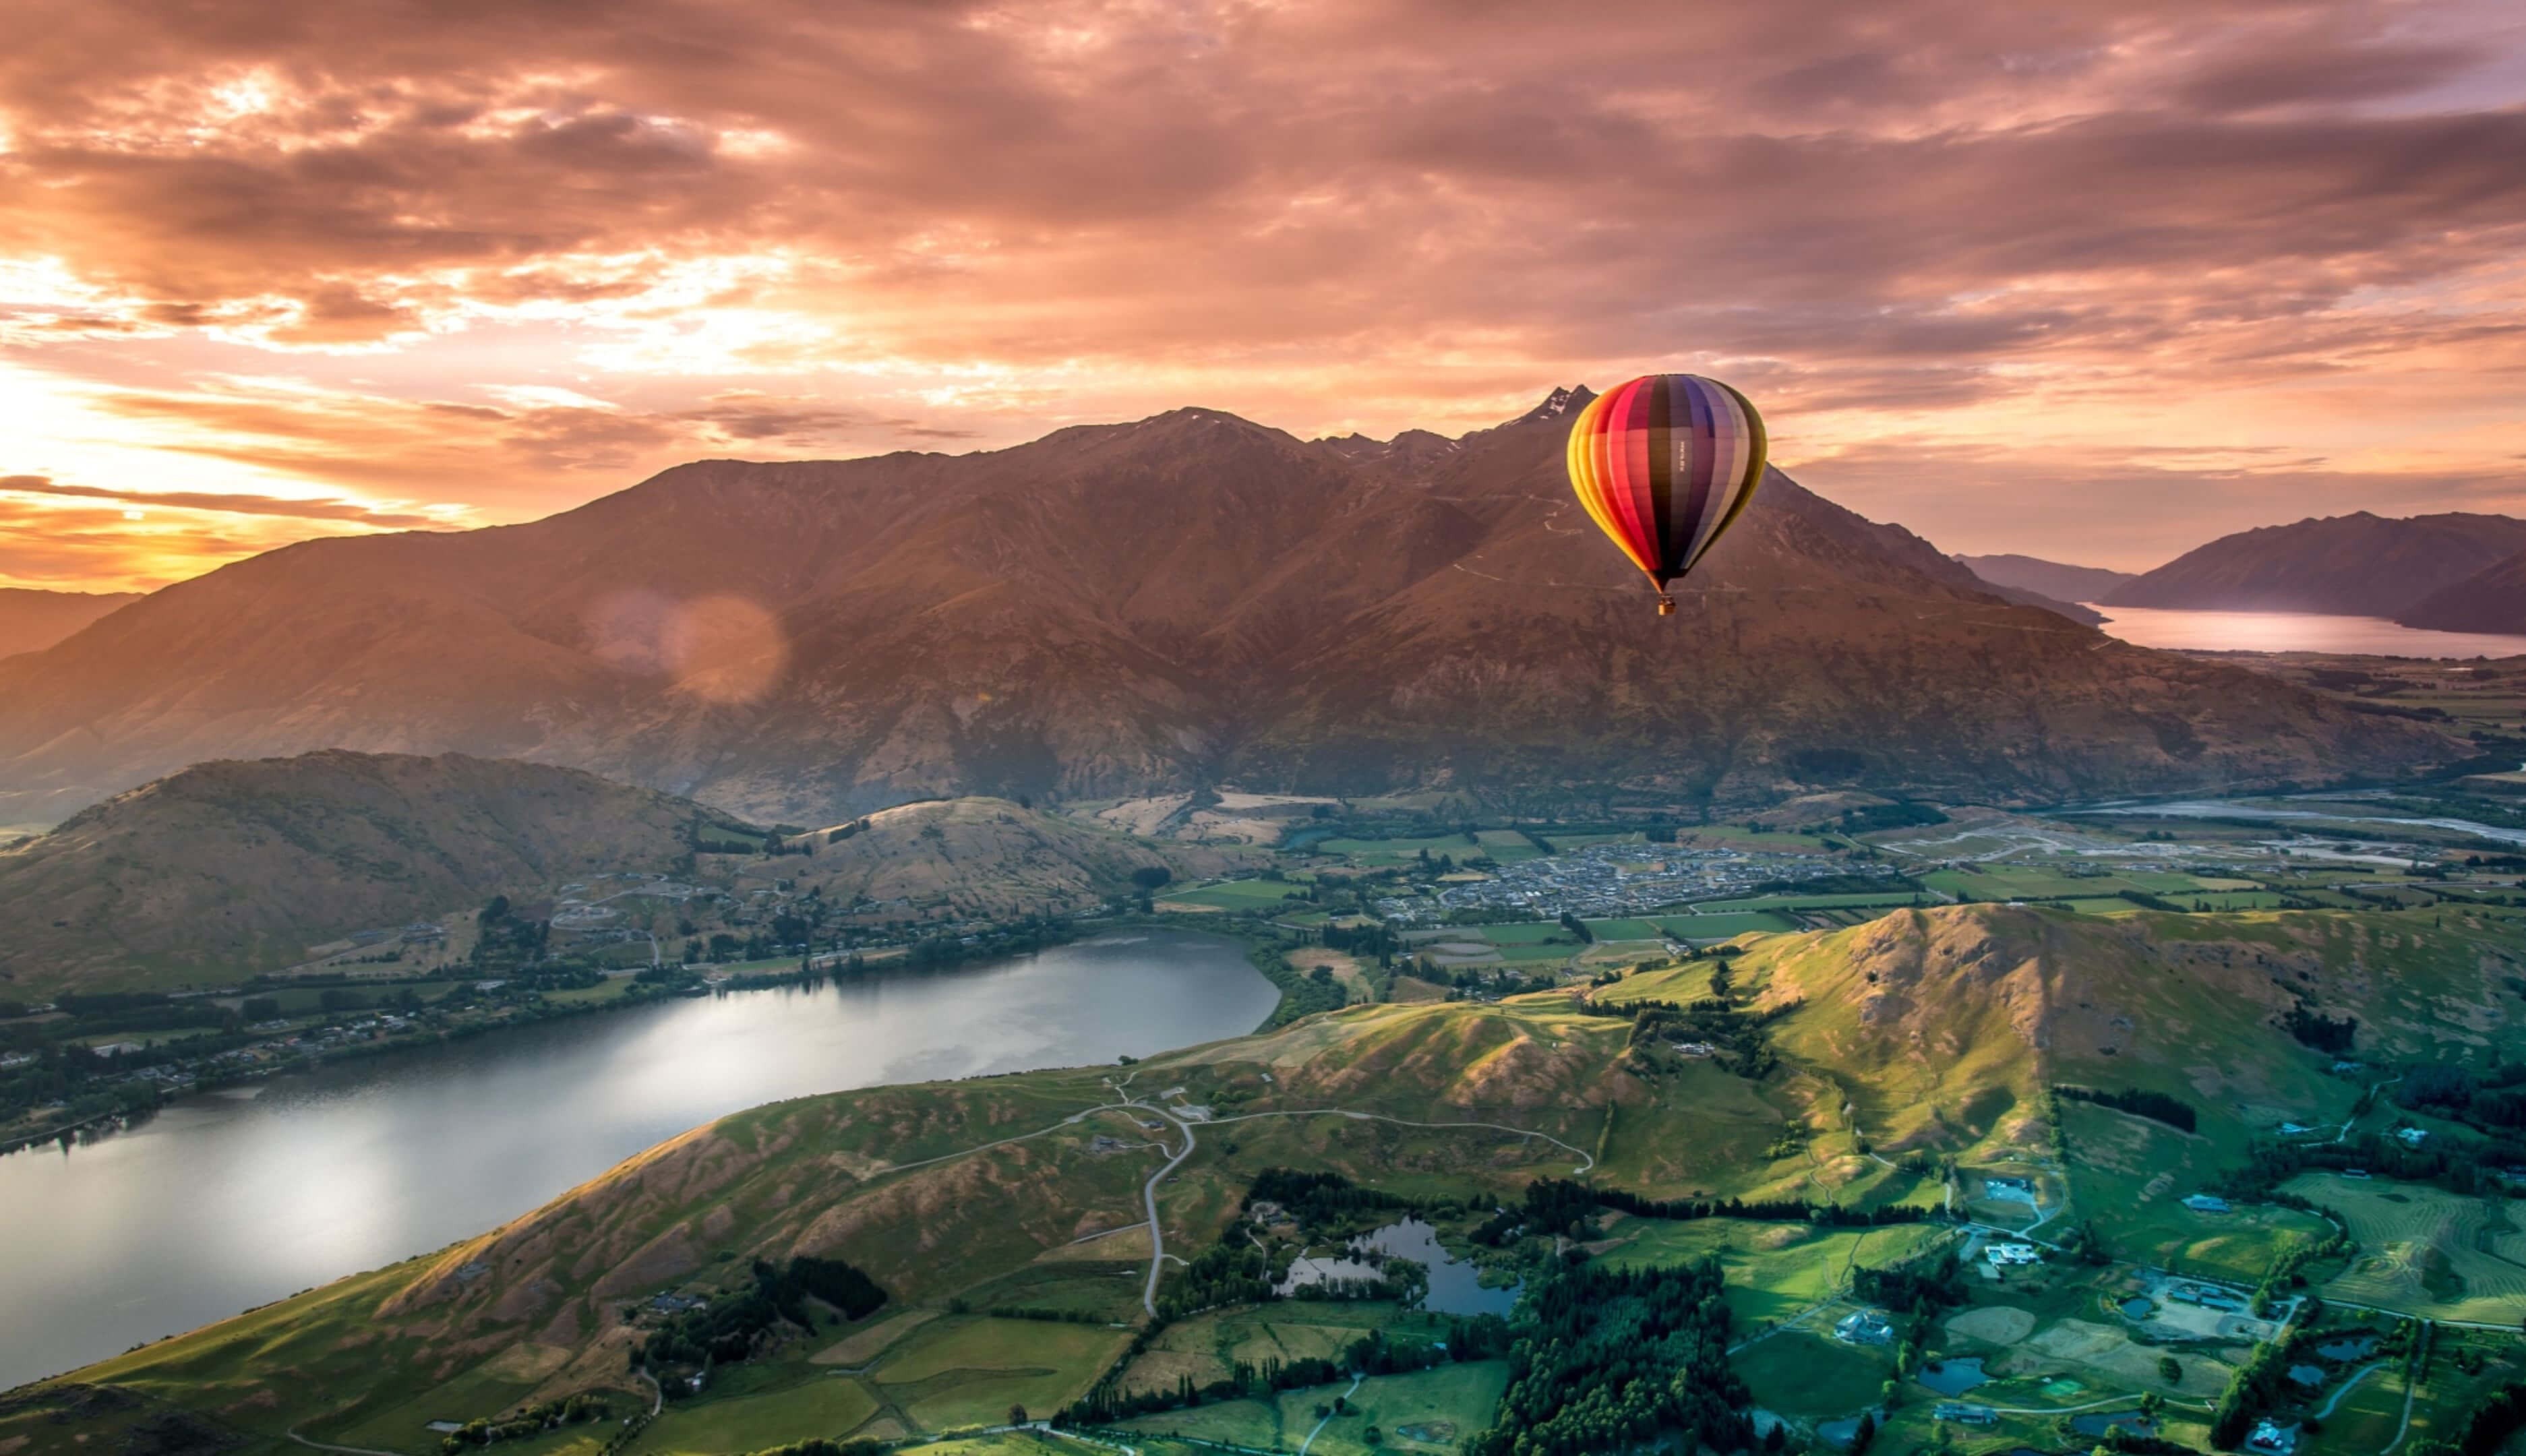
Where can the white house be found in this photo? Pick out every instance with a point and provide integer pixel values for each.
(2002, 1255)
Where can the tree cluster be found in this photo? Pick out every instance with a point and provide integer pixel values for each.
(1611, 1360)
(733, 1326)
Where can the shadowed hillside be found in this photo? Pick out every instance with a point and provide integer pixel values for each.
(2361, 565)
(230, 868)
(2491, 600)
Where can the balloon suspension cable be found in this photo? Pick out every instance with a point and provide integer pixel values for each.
(1666, 605)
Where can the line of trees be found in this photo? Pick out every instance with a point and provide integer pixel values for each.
(2174, 1112)
(1554, 1205)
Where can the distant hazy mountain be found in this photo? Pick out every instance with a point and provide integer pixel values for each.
(1189, 599)
(2050, 579)
(31, 621)
(2491, 600)
(2359, 565)
(229, 867)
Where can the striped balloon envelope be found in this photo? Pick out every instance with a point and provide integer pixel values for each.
(1665, 464)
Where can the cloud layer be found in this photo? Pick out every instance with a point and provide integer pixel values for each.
(2018, 275)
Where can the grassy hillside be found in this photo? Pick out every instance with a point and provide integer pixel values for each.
(1884, 1053)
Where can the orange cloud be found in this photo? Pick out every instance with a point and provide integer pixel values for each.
(511, 257)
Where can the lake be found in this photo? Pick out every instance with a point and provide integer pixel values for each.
(228, 1201)
(2297, 631)
(1455, 1284)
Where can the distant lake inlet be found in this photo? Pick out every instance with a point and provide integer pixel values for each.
(2296, 632)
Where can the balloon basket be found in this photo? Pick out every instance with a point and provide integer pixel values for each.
(1666, 606)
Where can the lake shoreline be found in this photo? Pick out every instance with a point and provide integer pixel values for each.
(221, 1203)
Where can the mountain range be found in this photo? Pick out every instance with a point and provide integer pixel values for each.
(33, 621)
(1186, 601)
(2052, 580)
(2361, 565)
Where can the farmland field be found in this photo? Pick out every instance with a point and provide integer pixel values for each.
(1507, 846)
(1800, 1374)
(1378, 852)
(968, 1372)
(1889, 897)
(1723, 927)
(2425, 1251)
(1432, 1410)
(751, 1422)
(1774, 1270)
(1240, 894)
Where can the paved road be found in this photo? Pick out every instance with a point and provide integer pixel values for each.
(1149, 1198)
(2411, 1391)
(1320, 1425)
(293, 1434)
(2357, 1376)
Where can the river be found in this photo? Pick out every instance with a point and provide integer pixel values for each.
(227, 1201)
(2296, 632)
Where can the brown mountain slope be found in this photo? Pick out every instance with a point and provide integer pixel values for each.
(2491, 600)
(1189, 599)
(33, 621)
(2359, 565)
(230, 868)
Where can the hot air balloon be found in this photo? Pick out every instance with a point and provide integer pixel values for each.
(1665, 464)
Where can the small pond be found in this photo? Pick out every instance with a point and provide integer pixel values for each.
(2096, 1423)
(1455, 1285)
(1954, 1377)
(2138, 1308)
(2349, 1349)
(2309, 1376)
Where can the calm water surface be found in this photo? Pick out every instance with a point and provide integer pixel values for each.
(2297, 631)
(230, 1200)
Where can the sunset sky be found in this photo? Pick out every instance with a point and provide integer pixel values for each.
(2092, 281)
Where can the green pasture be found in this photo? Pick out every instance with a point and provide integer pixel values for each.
(1726, 925)
(1428, 1411)
(1381, 852)
(1774, 1270)
(822, 1404)
(1811, 1375)
(2423, 1250)
(1856, 900)
(963, 1371)
(1507, 846)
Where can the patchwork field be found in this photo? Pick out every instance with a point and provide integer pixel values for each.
(2425, 1251)
(967, 1371)
(1432, 1410)
(1774, 1270)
